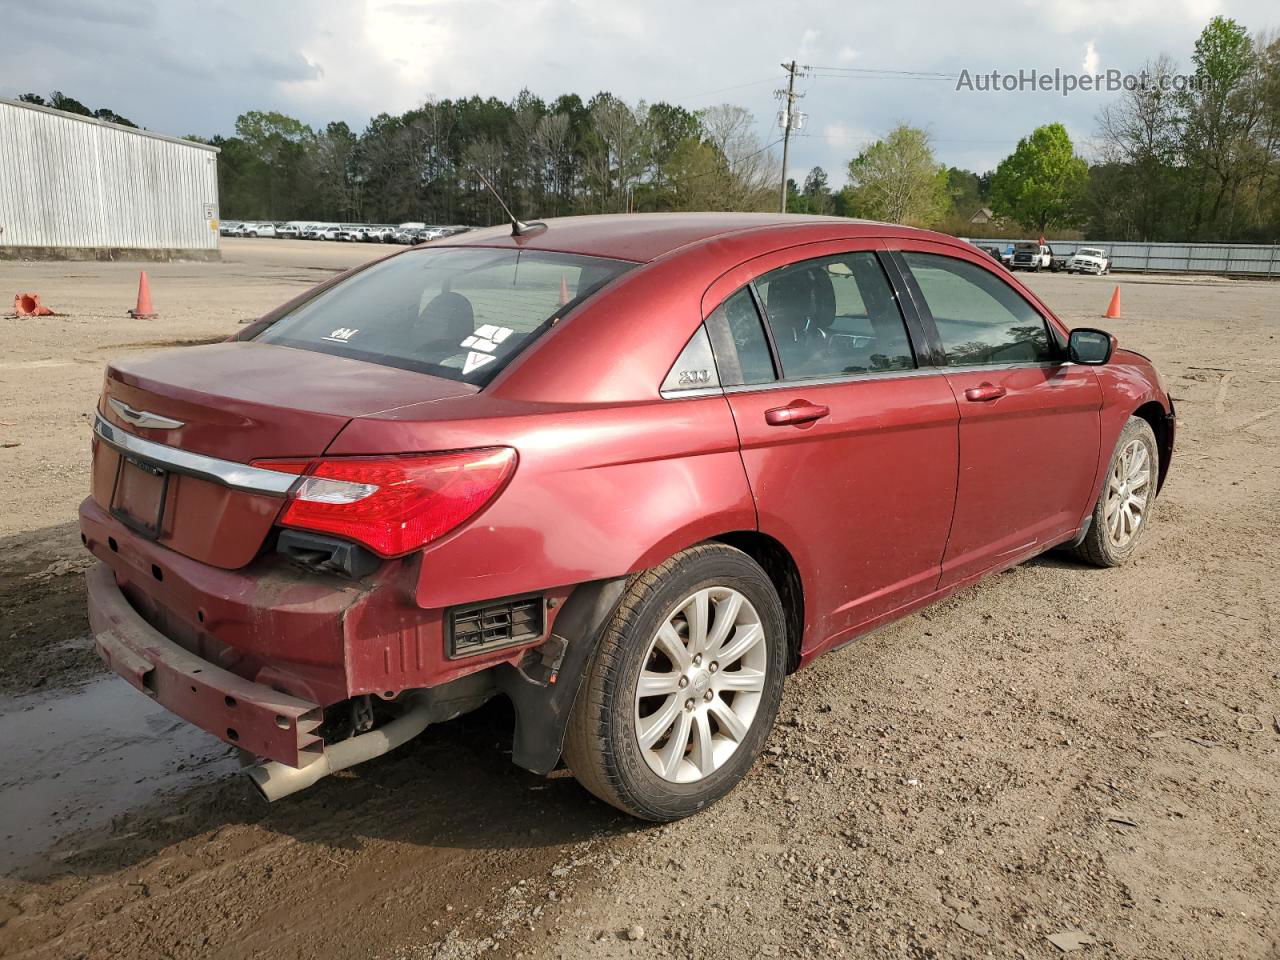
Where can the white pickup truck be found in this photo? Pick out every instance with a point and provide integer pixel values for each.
(1031, 256)
(1090, 260)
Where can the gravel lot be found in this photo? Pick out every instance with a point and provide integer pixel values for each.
(1058, 751)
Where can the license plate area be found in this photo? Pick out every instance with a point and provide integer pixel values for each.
(139, 496)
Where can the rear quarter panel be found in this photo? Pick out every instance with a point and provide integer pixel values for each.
(599, 491)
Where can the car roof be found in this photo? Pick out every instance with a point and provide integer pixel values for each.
(642, 237)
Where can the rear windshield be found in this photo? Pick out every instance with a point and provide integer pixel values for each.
(456, 312)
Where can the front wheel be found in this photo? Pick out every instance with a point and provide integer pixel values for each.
(684, 686)
(1127, 498)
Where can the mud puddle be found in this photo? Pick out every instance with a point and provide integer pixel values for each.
(77, 758)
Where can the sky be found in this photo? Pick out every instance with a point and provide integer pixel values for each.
(183, 67)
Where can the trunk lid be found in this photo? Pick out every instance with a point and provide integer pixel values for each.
(235, 401)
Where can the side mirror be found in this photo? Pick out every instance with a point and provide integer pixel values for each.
(1089, 346)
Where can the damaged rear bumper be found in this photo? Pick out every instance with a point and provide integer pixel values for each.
(240, 712)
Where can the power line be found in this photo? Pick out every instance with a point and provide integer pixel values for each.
(732, 164)
(870, 73)
(736, 86)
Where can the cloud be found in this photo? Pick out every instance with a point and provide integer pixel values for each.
(190, 66)
(126, 13)
(286, 67)
(1090, 64)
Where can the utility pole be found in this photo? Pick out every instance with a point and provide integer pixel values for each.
(788, 119)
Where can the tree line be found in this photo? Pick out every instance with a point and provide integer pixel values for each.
(552, 158)
(1198, 163)
(1195, 164)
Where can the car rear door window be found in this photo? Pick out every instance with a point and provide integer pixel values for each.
(981, 320)
(835, 316)
(738, 339)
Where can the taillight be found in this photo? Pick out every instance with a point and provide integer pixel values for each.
(393, 505)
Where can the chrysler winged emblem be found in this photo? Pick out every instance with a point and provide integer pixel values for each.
(142, 418)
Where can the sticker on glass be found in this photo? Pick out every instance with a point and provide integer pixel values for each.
(486, 338)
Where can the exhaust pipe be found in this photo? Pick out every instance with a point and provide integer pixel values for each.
(275, 780)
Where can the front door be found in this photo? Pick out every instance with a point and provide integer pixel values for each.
(1029, 420)
(849, 446)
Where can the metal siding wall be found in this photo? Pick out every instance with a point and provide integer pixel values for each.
(70, 183)
(1231, 259)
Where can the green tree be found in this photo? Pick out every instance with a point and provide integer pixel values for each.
(1222, 112)
(1042, 183)
(964, 192)
(898, 180)
(1136, 196)
(817, 192)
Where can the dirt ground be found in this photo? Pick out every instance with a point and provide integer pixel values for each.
(1058, 750)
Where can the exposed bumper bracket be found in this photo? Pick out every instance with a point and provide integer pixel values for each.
(243, 713)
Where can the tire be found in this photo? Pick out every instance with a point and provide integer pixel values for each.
(1101, 547)
(703, 756)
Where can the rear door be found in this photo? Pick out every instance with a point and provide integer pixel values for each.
(1029, 419)
(849, 444)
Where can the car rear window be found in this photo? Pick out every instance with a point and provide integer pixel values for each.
(456, 312)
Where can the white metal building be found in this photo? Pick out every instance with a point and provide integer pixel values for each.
(77, 187)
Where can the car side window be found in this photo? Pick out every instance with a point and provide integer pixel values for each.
(835, 316)
(738, 339)
(980, 318)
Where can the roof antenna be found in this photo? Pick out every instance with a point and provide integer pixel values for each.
(518, 227)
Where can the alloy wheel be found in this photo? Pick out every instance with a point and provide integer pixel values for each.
(701, 684)
(1128, 488)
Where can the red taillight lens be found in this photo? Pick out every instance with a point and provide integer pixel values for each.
(393, 505)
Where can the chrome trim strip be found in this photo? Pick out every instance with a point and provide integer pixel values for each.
(686, 393)
(799, 384)
(238, 476)
(143, 418)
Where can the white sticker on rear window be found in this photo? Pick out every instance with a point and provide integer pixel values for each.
(342, 334)
(475, 361)
(486, 338)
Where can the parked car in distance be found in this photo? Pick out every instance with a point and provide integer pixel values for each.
(1031, 256)
(995, 254)
(428, 504)
(227, 228)
(259, 229)
(1090, 260)
(350, 233)
(321, 231)
(289, 231)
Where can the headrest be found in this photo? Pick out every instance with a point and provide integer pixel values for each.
(450, 316)
(801, 299)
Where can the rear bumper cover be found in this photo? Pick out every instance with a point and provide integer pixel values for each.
(240, 712)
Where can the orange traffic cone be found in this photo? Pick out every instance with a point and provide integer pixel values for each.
(144, 310)
(1113, 308)
(28, 305)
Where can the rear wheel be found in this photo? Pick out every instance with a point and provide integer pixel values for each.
(683, 688)
(1127, 497)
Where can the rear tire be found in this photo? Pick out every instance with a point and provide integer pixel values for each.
(1128, 495)
(672, 752)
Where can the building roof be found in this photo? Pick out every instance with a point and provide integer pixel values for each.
(22, 104)
(641, 237)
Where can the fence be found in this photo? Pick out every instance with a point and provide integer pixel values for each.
(1256, 260)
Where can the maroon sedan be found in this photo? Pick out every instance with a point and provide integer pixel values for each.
(627, 471)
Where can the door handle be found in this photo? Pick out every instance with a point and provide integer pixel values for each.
(796, 413)
(984, 393)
